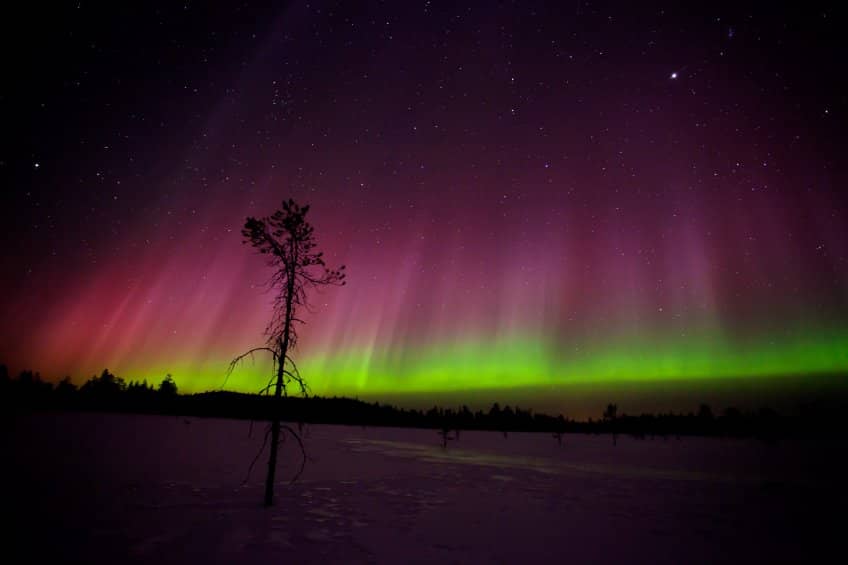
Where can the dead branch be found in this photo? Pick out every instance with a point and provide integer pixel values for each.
(258, 454)
(302, 451)
(239, 359)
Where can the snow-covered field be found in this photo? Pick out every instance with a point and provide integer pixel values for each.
(104, 488)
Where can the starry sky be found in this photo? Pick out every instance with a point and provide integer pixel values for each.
(535, 201)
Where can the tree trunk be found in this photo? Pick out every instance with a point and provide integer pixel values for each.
(275, 434)
(278, 392)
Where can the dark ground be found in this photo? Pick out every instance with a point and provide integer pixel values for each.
(101, 488)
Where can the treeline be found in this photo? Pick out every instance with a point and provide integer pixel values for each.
(105, 392)
(108, 392)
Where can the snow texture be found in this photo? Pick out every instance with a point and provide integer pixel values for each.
(109, 488)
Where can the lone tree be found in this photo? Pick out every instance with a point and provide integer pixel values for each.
(288, 241)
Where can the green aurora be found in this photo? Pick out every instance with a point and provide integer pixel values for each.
(522, 361)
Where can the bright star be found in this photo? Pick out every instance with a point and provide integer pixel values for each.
(674, 75)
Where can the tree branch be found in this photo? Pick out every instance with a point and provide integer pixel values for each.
(302, 450)
(258, 454)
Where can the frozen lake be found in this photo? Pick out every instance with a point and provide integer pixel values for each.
(103, 488)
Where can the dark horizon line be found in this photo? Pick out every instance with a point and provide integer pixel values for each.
(108, 393)
(383, 396)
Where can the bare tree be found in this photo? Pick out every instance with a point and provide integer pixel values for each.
(610, 415)
(559, 429)
(288, 241)
(445, 433)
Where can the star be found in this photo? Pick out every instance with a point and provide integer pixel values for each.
(673, 75)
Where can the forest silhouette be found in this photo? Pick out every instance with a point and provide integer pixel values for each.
(107, 392)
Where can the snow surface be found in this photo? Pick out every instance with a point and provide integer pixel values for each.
(110, 488)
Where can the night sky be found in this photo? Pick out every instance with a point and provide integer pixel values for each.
(531, 198)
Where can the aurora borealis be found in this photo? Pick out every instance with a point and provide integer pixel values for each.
(526, 194)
